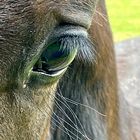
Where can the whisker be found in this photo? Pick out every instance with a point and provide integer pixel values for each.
(60, 108)
(76, 103)
(85, 136)
(68, 132)
(98, 23)
(73, 114)
(102, 15)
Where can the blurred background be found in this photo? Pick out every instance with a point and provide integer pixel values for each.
(124, 17)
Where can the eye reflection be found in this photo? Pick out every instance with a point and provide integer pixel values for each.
(56, 57)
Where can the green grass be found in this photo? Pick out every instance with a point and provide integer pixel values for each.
(124, 16)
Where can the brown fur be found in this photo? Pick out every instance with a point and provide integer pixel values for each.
(25, 112)
(106, 68)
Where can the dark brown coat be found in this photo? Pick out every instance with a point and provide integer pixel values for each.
(89, 109)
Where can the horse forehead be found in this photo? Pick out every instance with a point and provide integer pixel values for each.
(64, 3)
(43, 6)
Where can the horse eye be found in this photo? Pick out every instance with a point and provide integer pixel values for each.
(55, 58)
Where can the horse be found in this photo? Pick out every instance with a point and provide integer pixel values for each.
(58, 71)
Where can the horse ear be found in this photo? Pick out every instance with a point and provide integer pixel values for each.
(87, 93)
